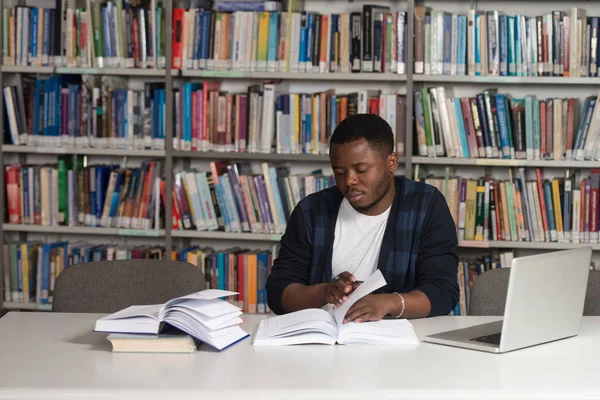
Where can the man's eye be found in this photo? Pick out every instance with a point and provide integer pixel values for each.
(339, 172)
(361, 171)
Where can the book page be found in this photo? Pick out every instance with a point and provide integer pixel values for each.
(150, 311)
(208, 294)
(297, 323)
(209, 308)
(133, 319)
(374, 282)
(385, 331)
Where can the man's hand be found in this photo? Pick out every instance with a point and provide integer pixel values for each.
(337, 291)
(370, 308)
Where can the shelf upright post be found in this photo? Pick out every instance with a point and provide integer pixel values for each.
(168, 130)
(408, 145)
(2, 155)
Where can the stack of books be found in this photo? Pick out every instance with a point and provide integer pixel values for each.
(202, 315)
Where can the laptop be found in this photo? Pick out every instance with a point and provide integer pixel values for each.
(544, 303)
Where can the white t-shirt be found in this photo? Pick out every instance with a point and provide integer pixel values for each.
(357, 241)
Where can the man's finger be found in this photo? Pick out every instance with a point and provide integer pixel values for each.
(368, 316)
(336, 298)
(344, 287)
(357, 313)
(346, 276)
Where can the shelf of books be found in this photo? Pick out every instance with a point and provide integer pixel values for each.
(32, 267)
(239, 97)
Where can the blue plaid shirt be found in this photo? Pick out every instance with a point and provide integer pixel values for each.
(417, 251)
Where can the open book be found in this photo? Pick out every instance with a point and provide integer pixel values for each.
(325, 326)
(203, 315)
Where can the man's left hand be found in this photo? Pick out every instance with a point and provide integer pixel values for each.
(370, 308)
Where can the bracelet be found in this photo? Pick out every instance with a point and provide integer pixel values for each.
(403, 306)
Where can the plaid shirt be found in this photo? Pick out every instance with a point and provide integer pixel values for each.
(417, 251)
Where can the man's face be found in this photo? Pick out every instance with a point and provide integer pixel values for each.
(361, 173)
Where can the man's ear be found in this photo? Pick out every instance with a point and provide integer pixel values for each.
(393, 162)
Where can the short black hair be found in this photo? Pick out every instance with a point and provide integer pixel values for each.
(374, 129)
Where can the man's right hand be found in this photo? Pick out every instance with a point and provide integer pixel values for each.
(337, 291)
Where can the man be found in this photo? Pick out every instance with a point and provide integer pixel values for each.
(370, 220)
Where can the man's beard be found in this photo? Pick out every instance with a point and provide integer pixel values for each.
(380, 191)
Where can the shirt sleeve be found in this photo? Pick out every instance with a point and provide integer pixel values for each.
(293, 262)
(437, 262)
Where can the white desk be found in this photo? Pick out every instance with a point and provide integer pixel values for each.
(56, 356)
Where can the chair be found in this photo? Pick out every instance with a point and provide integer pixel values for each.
(109, 286)
(488, 295)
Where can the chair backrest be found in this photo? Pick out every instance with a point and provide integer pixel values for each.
(109, 286)
(488, 295)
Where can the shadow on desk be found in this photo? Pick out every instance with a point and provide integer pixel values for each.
(96, 341)
(3, 313)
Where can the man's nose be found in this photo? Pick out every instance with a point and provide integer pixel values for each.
(350, 179)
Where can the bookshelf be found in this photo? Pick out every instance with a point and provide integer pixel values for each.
(405, 83)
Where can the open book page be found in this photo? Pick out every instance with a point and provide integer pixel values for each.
(219, 339)
(222, 321)
(208, 294)
(385, 331)
(374, 282)
(209, 308)
(305, 326)
(133, 319)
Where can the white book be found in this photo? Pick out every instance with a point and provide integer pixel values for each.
(453, 64)
(440, 93)
(325, 326)
(202, 315)
(576, 211)
(267, 136)
(573, 43)
(471, 42)
(454, 127)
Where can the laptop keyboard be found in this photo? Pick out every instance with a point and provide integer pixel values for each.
(489, 339)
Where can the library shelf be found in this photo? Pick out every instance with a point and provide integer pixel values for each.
(508, 80)
(25, 69)
(500, 244)
(83, 230)
(219, 235)
(9, 148)
(306, 76)
(499, 162)
(9, 305)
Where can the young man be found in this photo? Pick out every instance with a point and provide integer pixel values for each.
(370, 220)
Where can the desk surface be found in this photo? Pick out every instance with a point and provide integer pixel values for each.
(56, 356)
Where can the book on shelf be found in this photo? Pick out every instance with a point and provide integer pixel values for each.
(495, 43)
(202, 315)
(326, 325)
(493, 125)
(30, 269)
(233, 198)
(267, 118)
(94, 196)
(236, 269)
(89, 111)
(559, 209)
(268, 36)
(240, 38)
(101, 34)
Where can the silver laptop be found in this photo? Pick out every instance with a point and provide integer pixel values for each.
(545, 299)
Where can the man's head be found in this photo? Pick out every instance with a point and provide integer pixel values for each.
(362, 156)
